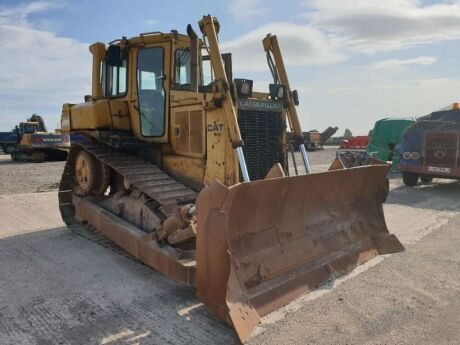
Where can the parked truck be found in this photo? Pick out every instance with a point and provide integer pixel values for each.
(355, 143)
(8, 141)
(313, 141)
(30, 141)
(430, 147)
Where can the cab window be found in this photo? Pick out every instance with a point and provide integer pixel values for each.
(29, 129)
(104, 78)
(117, 79)
(182, 69)
(207, 73)
(151, 93)
(208, 77)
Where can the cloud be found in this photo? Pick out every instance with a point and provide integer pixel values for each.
(434, 82)
(18, 14)
(385, 25)
(150, 22)
(244, 9)
(398, 63)
(301, 45)
(345, 89)
(40, 70)
(338, 29)
(359, 100)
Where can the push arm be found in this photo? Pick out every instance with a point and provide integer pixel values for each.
(271, 47)
(210, 27)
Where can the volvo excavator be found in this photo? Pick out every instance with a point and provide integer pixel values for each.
(30, 141)
(185, 169)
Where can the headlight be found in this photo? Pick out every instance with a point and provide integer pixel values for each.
(411, 155)
(280, 93)
(244, 87)
(277, 92)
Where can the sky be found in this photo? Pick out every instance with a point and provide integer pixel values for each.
(352, 62)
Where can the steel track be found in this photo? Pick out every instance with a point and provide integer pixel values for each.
(166, 192)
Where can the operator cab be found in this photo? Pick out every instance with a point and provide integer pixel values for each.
(26, 128)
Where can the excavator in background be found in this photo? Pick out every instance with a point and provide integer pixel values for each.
(185, 169)
(313, 139)
(328, 133)
(30, 141)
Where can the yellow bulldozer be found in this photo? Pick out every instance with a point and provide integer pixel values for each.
(185, 168)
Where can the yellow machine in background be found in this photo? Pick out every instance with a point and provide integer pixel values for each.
(30, 141)
(186, 169)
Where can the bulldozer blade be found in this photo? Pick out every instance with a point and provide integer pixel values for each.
(262, 244)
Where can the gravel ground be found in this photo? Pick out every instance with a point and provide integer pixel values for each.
(59, 288)
(24, 177)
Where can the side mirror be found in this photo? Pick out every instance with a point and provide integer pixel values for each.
(295, 97)
(114, 56)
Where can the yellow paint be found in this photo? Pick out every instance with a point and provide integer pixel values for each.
(91, 115)
(201, 129)
(188, 170)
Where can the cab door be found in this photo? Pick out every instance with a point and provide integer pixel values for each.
(149, 104)
(116, 92)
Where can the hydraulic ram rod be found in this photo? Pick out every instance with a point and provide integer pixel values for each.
(306, 161)
(244, 168)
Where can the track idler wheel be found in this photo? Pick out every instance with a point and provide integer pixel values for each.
(90, 174)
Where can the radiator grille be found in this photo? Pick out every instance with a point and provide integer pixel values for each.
(262, 132)
(441, 149)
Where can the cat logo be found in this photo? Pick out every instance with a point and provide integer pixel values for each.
(215, 127)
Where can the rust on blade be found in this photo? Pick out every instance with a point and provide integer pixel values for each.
(285, 236)
(213, 261)
(242, 314)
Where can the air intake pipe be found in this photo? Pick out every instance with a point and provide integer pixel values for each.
(98, 50)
